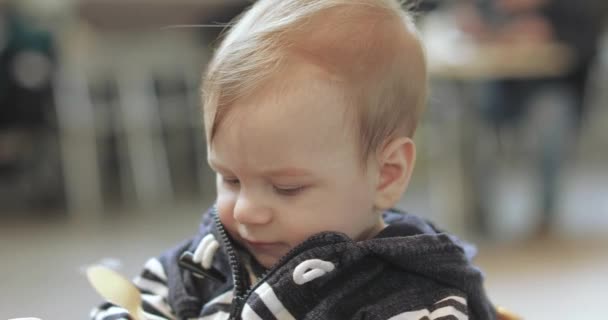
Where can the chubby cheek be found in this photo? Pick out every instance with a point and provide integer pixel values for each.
(298, 232)
(225, 202)
(353, 213)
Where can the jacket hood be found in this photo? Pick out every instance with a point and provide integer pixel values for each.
(409, 245)
(417, 246)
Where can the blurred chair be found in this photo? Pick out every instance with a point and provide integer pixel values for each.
(594, 136)
(120, 119)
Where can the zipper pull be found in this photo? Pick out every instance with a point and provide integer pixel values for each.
(185, 261)
(237, 306)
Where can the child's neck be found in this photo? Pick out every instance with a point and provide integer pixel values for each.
(373, 231)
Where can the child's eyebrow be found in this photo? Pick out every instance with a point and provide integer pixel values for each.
(281, 172)
(291, 172)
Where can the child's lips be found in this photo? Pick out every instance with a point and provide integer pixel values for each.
(269, 248)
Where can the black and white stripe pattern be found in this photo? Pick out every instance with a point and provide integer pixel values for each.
(330, 277)
(153, 285)
(152, 282)
(218, 308)
(264, 304)
(108, 311)
(450, 308)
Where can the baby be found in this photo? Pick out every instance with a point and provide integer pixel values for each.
(309, 108)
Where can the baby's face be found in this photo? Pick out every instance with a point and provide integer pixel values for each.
(288, 167)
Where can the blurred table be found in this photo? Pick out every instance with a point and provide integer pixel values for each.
(455, 61)
(500, 60)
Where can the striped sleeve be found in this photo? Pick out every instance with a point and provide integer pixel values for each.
(108, 311)
(152, 282)
(451, 307)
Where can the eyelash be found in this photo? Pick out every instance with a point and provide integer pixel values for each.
(231, 181)
(278, 190)
(288, 191)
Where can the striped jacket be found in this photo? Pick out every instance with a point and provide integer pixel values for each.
(410, 271)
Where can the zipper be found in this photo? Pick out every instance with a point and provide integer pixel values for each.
(242, 299)
(242, 287)
(239, 275)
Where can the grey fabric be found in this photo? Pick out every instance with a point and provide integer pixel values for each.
(410, 271)
(409, 266)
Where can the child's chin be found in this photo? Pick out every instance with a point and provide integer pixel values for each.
(266, 261)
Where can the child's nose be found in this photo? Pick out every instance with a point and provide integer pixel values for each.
(249, 211)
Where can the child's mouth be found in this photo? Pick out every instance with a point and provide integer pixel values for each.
(264, 248)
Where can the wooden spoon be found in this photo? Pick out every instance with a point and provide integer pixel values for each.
(117, 289)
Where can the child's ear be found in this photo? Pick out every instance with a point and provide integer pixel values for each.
(395, 165)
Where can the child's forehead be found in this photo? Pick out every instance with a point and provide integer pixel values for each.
(301, 99)
(312, 105)
(281, 126)
(298, 86)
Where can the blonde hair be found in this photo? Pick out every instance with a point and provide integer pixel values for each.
(370, 44)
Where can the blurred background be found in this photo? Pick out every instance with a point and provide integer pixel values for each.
(102, 153)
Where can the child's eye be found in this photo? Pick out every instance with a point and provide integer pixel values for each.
(288, 191)
(231, 181)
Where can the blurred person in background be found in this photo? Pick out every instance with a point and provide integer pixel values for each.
(29, 158)
(557, 101)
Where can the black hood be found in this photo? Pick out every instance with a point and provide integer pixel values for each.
(409, 264)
